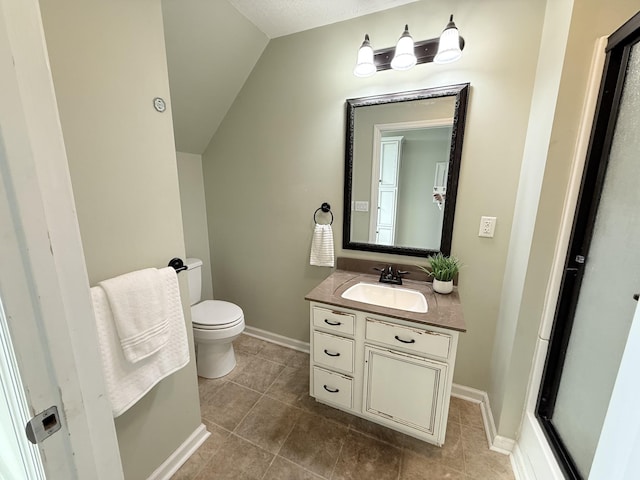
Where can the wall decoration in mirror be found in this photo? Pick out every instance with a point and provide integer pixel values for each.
(402, 164)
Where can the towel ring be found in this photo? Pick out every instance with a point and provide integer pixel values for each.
(326, 208)
(177, 264)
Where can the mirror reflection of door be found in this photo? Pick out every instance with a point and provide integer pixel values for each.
(410, 163)
(385, 191)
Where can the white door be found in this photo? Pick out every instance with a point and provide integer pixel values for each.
(49, 348)
(618, 451)
(390, 151)
(20, 459)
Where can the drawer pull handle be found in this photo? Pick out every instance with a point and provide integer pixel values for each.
(330, 390)
(333, 324)
(413, 340)
(337, 354)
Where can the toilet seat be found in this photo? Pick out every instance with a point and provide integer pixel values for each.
(215, 315)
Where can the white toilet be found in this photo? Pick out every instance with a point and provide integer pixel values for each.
(215, 325)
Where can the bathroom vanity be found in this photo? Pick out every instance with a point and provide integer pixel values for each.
(391, 366)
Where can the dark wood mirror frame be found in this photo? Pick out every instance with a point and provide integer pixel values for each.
(461, 94)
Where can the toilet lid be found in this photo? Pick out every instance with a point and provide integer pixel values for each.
(215, 313)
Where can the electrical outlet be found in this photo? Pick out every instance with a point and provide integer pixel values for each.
(487, 227)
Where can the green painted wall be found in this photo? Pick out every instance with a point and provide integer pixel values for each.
(108, 63)
(279, 153)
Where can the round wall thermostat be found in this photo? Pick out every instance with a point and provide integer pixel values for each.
(159, 105)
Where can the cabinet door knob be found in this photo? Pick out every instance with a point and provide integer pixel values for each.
(413, 340)
(330, 390)
(334, 324)
(337, 354)
(636, 296)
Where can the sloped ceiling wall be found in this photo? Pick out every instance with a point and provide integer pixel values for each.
(277, 18)
(211, 50)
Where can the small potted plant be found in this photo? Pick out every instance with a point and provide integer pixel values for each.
(443, 269)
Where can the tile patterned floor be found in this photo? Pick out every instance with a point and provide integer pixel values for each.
(264, 426)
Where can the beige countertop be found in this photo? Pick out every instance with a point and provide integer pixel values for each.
(445, 311)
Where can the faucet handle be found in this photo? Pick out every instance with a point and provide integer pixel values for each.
(402, 272)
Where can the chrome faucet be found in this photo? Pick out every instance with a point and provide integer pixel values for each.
(390, 274)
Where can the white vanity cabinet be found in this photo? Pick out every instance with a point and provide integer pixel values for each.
(390, 371)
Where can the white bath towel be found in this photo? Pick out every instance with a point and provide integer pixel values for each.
(138, 305)
(322, 246)
(128, 382)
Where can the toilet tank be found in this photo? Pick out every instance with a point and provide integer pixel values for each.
(194, 266)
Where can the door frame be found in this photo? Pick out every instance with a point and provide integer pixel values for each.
(36, 180)
(587, 203)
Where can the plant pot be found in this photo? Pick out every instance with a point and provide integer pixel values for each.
(442, 287)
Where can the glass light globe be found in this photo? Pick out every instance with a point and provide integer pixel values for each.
(449, 45)
(364, 65)
(405, 57)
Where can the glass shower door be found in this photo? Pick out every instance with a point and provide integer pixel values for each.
(603, 273)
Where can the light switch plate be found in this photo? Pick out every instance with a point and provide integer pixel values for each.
(362, 206)
(487, 227)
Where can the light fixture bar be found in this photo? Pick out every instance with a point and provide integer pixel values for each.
(425, 51)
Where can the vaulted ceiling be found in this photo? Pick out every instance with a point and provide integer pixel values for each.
(212, 46)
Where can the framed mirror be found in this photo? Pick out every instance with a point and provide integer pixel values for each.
(402, 165)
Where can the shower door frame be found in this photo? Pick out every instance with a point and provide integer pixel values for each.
(617, 56)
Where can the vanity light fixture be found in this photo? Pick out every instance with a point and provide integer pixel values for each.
(444, 49)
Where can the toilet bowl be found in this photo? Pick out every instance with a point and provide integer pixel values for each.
(215, 325)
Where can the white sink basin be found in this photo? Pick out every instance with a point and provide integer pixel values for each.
(387, 296)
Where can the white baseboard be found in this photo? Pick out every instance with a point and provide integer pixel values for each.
(181, 454)
(497, 443)
(518, 464)
(277, 339)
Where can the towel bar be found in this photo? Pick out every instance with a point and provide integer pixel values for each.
(326, 208)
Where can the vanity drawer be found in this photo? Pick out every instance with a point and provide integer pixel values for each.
(332, 351)
(422, 341)
(332, 387)
(333, 320)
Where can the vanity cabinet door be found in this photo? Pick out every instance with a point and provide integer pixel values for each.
(404, 389)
